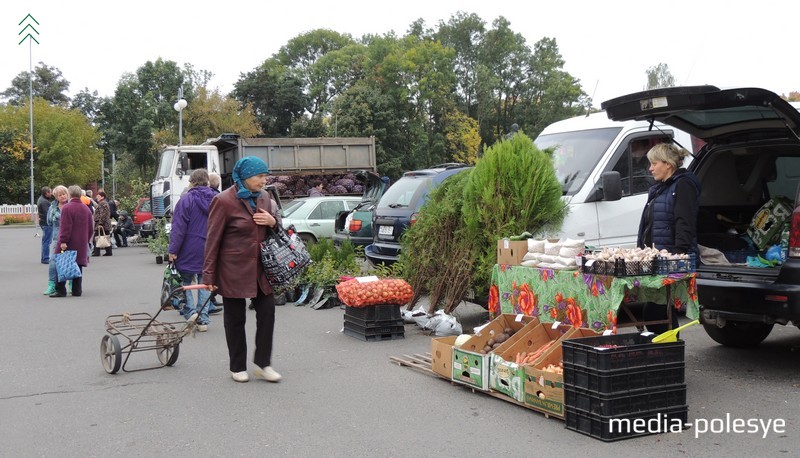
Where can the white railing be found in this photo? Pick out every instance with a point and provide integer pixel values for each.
(16, 209)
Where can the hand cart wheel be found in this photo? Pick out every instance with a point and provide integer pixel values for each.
(110, 353)
(168, 354)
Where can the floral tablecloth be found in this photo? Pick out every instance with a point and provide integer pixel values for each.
(583, 300)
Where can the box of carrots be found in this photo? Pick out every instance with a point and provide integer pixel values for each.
(544, 378)
(507, 372)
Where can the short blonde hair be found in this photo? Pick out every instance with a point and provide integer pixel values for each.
(60, 189)
(669, 153)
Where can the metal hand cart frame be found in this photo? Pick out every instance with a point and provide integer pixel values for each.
(144, 333)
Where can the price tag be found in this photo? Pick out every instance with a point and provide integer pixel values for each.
(555, 324)
(368, 279)
(608, 332)
(518, 319)
(506, 244)
(589, 263)
(647, 334)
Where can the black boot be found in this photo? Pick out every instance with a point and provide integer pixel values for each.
(61, 290)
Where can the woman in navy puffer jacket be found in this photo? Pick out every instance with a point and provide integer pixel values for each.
(669, 220)
(187, 240)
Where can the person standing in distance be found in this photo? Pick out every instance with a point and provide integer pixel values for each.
(316, 188)
(669, 219)
(187, 239)
(238, 221)
(74, 233)
(42, 206)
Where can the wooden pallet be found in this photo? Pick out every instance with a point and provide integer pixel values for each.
(424, 363)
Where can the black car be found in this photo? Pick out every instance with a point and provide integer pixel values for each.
(398, 209)
(356, 225)
(751, 157)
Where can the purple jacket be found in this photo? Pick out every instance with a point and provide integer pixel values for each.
(76, 229)
(187, 238)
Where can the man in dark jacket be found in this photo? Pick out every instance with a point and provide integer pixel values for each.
(187, 241)
(124, 229)
(42, 205)
(75, 232)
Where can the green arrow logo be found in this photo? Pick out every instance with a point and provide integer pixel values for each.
(27, 27)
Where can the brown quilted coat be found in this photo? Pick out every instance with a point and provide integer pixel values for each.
(232, 258)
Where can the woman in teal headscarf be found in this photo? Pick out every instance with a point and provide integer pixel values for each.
(237, 223)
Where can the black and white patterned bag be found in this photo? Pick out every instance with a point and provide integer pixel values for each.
(283, 255)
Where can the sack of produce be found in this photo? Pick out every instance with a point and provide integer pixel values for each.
(360, 293)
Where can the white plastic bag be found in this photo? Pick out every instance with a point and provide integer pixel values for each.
(448, 326)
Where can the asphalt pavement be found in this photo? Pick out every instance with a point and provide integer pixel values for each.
(339, 397)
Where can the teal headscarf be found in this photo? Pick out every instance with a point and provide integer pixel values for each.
(245, 168)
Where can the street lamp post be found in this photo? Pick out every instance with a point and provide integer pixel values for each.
(179, 106)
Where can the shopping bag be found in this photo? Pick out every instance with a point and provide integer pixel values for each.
(171, 281)
(102, 240)
(283, 255)
(67, 265)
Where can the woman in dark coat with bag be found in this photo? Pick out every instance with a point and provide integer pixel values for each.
(75, 232)
(237, 223)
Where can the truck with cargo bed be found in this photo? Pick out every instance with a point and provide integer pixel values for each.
(292, 162)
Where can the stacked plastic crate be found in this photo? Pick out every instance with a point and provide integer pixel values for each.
(378, 322)
(622, 386)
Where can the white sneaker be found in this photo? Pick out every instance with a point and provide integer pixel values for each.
(240, 377)
(202, 327)
(267, 373)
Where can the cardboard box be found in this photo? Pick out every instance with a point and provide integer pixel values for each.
(544, 391)
(511, 252)
(769, 221)
(470, 365)
(507, 377)
(442, 355)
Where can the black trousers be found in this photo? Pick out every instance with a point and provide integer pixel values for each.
(658, 312)
(235, 315)
(121, 236)
(77, 285)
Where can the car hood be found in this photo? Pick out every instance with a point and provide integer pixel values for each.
(708, 112)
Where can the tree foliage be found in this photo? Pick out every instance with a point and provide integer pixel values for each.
(48, 83)
(659, 76)
(65, 143)
(14, 167)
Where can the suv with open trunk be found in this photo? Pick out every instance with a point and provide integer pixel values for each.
(751, 157)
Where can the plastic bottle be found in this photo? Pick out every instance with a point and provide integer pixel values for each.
(785, 243)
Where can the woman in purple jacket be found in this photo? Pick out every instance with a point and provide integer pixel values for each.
(187, 240)
(75, 232)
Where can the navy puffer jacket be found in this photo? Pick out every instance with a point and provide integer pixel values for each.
(669, 220)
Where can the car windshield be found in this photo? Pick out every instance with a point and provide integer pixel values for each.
(292, 207)
(165, 167)
(576, 153)
(400, 194)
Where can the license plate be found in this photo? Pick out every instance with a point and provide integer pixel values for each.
(385, 230)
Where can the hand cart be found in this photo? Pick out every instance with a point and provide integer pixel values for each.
(144, 333)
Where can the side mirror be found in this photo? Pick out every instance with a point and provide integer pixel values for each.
(184, 162)
(611, 186)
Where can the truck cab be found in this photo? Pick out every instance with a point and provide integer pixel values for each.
(174, 169)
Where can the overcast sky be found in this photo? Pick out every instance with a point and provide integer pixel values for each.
(607, 45)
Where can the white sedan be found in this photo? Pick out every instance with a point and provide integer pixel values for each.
(313, 217)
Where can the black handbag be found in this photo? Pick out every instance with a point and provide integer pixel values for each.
(283, 255)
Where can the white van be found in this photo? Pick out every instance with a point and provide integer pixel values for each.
(585, 148)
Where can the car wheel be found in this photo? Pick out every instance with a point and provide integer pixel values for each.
(739, 334)
(308, 239)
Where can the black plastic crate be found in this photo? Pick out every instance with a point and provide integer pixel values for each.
(375, 312)
(374, 331)
(665, 266)
(608, 405)
(626, 426)
(632, 350)
(615, 381)
(617, 267)
(369, 337)
(373, 323)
